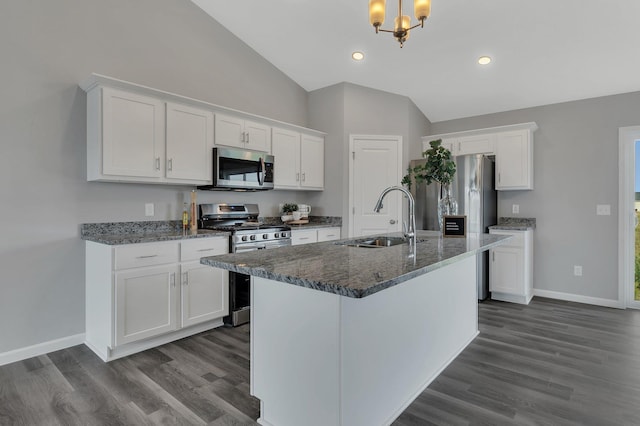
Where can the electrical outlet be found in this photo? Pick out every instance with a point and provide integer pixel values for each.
(148, 209)
(603, 209)
(577, 270)
(515, 208)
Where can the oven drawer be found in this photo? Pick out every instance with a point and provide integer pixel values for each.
(202, 247)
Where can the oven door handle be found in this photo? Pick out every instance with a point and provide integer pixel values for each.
(262, 172)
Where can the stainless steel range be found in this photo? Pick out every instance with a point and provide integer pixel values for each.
(247, 234)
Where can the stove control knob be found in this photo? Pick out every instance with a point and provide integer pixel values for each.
(276, 235)
(253, 237)
(265, 236)
(244, 238)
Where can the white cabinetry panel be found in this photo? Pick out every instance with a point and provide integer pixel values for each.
(511, 267)
(239, 133)
(514, 161)
(132, 134)
(189, 143)
(285, 147)
(145, 303)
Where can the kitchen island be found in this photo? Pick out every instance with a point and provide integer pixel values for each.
(344, 335)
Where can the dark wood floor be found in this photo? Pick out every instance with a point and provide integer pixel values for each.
(549, 363)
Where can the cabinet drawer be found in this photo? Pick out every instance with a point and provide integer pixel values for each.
(195, 249)
(303, 237)
(138, 255)
(516, 241)
(328, 234)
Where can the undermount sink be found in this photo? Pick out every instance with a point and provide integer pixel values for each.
(376, 242)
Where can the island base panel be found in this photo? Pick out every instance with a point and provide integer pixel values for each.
(322, 359)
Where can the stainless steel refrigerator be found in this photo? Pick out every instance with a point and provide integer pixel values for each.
(474, 190)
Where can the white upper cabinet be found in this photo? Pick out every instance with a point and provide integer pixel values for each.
(299, 160)
(477, 144)
(514, 160)
(285, 147)
(312, 162)
(189, 143)
(143, 135)
(126, 135)
(236, 132)
(137, 138)
(512, 146)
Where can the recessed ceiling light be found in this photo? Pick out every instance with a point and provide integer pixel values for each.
(357, 56)
(484, 60)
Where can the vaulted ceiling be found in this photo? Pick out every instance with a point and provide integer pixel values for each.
(543, 51)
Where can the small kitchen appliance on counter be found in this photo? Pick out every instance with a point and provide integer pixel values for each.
(247, 234)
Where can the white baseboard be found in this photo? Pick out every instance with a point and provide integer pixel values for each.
(40, 349)
(609, 303)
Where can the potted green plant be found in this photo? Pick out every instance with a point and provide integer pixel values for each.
(287, 211)
(439, 167)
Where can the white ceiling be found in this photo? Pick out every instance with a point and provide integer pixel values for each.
(543, 51)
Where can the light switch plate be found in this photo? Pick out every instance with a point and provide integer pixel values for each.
(515, 208)
(577, 270)
(603, 210)
(148, 209)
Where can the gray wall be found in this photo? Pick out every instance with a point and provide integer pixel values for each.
(345, 109)
(576, 167)
(47, 48)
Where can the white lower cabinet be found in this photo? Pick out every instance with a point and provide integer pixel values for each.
(139, 296)
(145, 303)
(308, 236)
(511, 267)
(204, 293)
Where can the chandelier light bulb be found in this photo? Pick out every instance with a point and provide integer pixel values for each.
(484, 60)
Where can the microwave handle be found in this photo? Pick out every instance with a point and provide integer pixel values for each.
(262, 172)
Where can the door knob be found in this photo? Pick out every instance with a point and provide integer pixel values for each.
(392, 221)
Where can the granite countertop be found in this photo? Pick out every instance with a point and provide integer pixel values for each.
(314, 222)
(515, 224)
(118, 233)
(355, 272)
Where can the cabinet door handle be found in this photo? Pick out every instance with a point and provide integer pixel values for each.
(304, 177)
(147, 256)
(170, 164)
(172, 279)
(493, 256)
(248, 134)
(297, 177)
(185, 278)
(158, 163)
(244, 137)
(499, 177)
(209, 249)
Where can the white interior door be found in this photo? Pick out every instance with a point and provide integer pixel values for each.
(375, 164)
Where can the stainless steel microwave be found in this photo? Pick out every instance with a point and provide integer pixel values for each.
(241, 170)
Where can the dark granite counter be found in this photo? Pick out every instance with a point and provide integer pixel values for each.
(314, 222)
(515, 224)
(354, 271)
(118, 233)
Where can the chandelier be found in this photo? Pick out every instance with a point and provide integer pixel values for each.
(402, 23)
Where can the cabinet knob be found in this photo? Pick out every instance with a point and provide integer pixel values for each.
(392, 221)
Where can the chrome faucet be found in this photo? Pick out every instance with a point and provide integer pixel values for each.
(410, 229)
